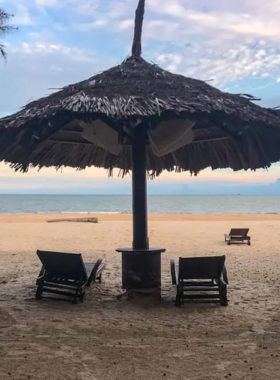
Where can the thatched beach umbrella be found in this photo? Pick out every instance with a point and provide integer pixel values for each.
(137, 116)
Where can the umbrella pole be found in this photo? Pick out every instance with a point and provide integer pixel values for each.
(141, 265)
(139, 189)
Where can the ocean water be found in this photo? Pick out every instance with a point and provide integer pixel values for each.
(170, 204)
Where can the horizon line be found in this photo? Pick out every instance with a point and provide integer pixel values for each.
(149, 195)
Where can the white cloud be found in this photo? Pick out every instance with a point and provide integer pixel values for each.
(125, 24)
(22, 16)
(111, 9)
(219, 23)
(34, 68)
(33, 48)
(34, 35)
(97, 24)
(228, 41)
(46, 3)
(224, 66)
(88, 7)
(225, 41)
(26, 48)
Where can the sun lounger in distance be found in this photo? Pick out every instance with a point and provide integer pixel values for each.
(238, 235)
(200, 278)
(66, 274)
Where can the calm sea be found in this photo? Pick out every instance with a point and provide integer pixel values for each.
(177, 204)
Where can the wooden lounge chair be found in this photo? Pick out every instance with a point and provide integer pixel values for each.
(200, 278)
(238, 235)
(66, 274)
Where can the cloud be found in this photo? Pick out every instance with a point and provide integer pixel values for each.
(125, 24)
(234, 42)
(226, 65)
(112, 9)
(234, 21)
(86, 27)
(46, 3)
(260, 176)
(36, 67)
(227, 42)
(22, 16)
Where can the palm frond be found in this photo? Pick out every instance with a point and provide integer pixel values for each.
(4, 15)
(2, 51)
(5, 29)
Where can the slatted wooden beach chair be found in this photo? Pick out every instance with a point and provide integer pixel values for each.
(200, 278)
(238, 235)
(66, 274)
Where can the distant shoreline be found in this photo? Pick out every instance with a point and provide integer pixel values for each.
(118, 217)
(149, 195)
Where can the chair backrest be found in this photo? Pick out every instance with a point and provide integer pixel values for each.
(201, 268)
(239, 232)
(65, 265)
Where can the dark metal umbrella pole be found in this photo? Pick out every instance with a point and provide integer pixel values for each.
(117, 118)
(141, 265)
(139, 189)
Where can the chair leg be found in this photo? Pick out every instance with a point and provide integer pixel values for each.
(178, 299)
(39, 291)
(100, 278)
(40, 288)
(223, 294)
(82, 296)
(77, 295)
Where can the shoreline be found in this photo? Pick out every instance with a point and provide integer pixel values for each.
(115, 217)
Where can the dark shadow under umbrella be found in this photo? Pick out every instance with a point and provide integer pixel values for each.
(137, 116)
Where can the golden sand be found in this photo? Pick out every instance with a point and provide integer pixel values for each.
(105, 338)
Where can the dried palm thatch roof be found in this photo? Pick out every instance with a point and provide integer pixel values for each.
(228, 130)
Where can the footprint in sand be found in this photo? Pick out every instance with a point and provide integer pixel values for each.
(86, 375)
(7, 320)
(222, 366)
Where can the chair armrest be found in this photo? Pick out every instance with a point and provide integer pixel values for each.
(41, 276)
(96, 271)
(174, 276)
(100, 269)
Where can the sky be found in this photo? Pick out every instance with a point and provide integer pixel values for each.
(235, 43)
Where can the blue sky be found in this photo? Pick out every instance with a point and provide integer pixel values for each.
(234, 42)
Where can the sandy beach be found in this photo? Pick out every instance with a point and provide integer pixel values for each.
(106, 338)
